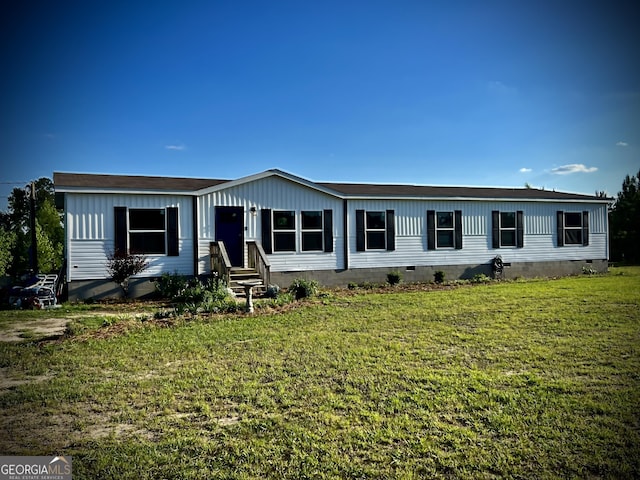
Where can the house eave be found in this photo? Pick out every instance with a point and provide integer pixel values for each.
(123, 191)
(473, 198)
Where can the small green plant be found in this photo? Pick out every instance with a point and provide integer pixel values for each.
(480, 278)
(439, 276)
(210, 296)
(109, 321)
(303, 288)
(169, 285)
(394, 278)
(283, 298)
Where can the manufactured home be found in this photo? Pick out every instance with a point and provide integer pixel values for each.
(280, 226)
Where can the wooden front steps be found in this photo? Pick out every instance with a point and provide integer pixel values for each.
(239, 274)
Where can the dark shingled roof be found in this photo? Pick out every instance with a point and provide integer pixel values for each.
(133, 182)
(375, 190)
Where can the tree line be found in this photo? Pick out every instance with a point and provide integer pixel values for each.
(15, 231)
(624, 222)
(15, 228)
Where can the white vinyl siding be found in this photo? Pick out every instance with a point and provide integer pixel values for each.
(89, 223)
(539, 232)
(273, 193)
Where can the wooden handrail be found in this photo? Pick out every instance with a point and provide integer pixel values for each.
(220, 261)
(258, 260)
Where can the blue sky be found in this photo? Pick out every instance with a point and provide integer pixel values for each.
(481, 93)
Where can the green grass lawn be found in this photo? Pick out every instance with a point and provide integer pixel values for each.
(531, 379)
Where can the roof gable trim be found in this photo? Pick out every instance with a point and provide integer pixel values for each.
(271, 173)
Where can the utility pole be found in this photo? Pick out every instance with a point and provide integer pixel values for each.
(34, 240)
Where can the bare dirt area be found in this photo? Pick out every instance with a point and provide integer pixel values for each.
(45, 431)
(6, 381)
(42, 328)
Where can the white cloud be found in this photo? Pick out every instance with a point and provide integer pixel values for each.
(500, 88)
(525, 170)
(573, 168)
(175, 147)
(622, 144)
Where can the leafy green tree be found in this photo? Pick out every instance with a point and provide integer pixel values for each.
(49, 252)
(7, 241)
(50, 220)
(18, 220)
(624, 222)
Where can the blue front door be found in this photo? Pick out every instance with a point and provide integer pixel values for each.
(230, 230)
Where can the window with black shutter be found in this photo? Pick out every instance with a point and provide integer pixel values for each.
(147, 231)
(507, 229)
(573, 228)
(444, 230)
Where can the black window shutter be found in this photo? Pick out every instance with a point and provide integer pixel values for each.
(431, 229)
(585, 228)
(495, 229)
(120, 232)
(458, 229)
(265, 214)
(328, 230)
(391, 230)
(560, 227)
(173, 244)
(360, 243)
(519, 229)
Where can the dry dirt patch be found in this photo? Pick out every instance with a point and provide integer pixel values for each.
(44, 328)
(6, 381)
(44, 431)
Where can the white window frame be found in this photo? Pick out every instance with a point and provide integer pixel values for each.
(508, 229)
(133, 231)
(566, 229)
(275, 230)
(368, 230)
(319, 230)
(451, 229)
